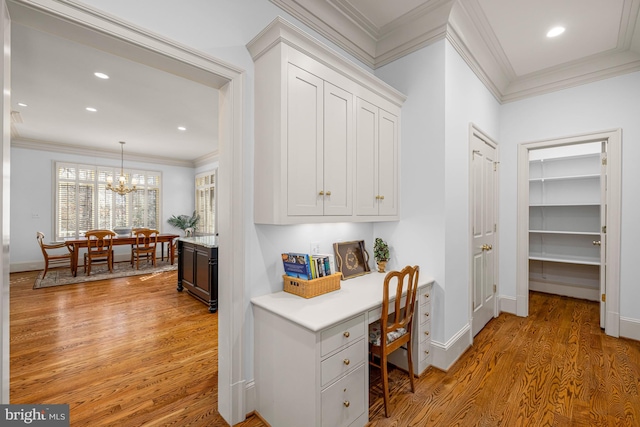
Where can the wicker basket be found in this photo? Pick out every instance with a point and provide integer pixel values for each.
(311, 288)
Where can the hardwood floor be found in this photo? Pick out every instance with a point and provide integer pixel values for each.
(134, 352)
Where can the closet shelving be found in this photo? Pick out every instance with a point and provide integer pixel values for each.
(564, 223)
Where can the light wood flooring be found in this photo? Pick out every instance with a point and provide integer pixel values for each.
(134, 352)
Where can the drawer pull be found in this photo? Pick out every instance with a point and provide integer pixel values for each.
(426, 314)
(426, 333)
(346, 362)
(346, 334)
(426, 295)
(346, 403)
(426, 352)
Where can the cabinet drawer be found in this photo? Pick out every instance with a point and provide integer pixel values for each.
(342, 362)
(424, 331)
(424, 349)
(425, 297)
(343, 402)
(424, 313)
(341, 334)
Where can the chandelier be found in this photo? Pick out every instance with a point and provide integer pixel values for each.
(121, 188)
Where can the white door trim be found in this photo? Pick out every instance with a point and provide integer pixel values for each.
(614, 198)
(73, 19)
(475, 130)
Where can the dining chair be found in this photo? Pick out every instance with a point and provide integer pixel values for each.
(51, 253)
(99, 249)
(145, 246)
(393, 330)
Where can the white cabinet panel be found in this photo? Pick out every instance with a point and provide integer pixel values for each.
(304, 142)
(338, 151)
(376, 160)
(305, 134)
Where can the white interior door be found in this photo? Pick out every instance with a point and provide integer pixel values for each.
(483, 223)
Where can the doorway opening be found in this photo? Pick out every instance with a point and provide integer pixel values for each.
(569, 221)
(82, 23)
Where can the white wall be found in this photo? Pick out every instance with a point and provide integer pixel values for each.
(444, 96)
(467, 101)
(33, 184)
(419, 237)
(604, 105)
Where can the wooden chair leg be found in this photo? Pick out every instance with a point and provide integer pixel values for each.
(46, 267)
(413, 387)
(385, 383)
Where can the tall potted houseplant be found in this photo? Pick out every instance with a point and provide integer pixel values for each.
(184, 222)
(381, 254)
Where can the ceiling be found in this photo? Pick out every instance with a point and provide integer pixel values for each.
(503, 41)
(138, 104)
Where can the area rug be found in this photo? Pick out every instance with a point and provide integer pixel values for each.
(62, 276)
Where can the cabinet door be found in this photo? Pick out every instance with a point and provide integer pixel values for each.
(366, 158)
(188, 262)
(387, 163)
(304, 142)
(203, 279)
(338, 147)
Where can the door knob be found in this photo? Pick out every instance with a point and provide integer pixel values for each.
(596, 242)
(486, 247)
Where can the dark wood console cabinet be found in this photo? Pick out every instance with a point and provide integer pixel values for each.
(198, 271)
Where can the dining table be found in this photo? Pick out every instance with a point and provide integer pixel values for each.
(128, 239)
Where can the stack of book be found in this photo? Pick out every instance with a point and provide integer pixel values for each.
(308, 267)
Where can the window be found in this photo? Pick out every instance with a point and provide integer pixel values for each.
(206, 202)
(84, 203)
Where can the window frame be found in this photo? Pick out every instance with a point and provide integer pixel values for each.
(204, 223)
(106, 200)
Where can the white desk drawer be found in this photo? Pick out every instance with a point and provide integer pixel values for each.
(424, 331)
(424, 349)
(343, 402)
(341, 334)
(425, 296)
(342, 362)
(424, 313)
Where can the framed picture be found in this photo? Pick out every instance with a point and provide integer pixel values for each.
(352, 259)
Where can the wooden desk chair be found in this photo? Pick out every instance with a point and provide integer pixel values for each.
(55, 255)
(393, 330)
(99, 249)
(145, 246)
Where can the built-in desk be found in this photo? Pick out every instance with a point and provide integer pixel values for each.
(310, 355)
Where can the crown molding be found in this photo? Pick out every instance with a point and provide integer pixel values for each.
(79, 150)
(281, 31)
(464, 25)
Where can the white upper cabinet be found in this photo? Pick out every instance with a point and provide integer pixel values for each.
(317, 157)
(376, 161)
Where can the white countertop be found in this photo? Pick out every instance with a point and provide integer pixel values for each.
(355, 296)
(206, 241)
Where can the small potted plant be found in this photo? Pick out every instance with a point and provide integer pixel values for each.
(381, 254)
(184, 222)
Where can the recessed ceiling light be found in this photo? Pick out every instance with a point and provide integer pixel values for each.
(182, 128)
(101, 75)
(93, 110)
(22, 104)
(555, 31)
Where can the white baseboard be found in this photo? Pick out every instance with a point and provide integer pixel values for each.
(250, 397)
(630, 328)
(445, 355)
(506, 305)
(17, 267)
(591, 294)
